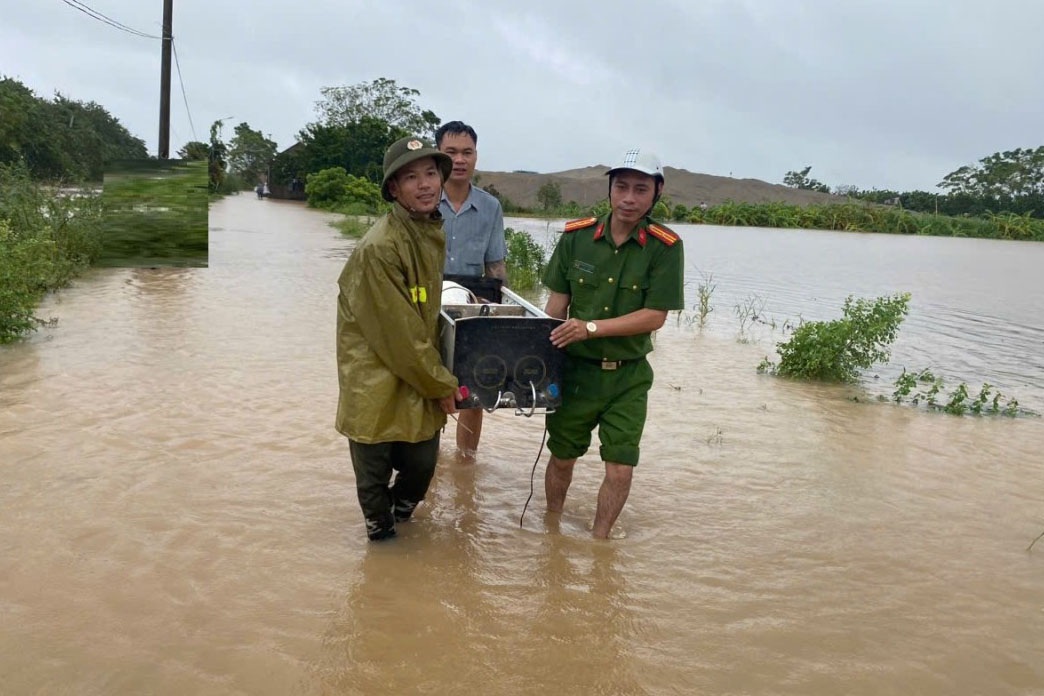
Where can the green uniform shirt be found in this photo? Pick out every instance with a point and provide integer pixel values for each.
(604, 281)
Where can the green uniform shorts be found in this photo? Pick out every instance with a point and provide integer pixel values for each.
(614, 400)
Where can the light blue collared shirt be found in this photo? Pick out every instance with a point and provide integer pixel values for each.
(474, 234)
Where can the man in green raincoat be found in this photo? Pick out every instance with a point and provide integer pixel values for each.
(394, 390)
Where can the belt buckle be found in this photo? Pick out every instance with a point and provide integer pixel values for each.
(610, 364)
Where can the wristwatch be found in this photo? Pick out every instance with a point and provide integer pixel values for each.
(592, 327)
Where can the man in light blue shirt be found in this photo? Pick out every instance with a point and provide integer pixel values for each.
(474, 227)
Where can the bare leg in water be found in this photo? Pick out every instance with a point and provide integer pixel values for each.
(469, 429)
(612, 494)
(557, 477)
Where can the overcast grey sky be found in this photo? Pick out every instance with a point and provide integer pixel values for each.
(873, 93)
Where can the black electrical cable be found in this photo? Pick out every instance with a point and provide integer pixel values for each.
(532, 474)
(94, 14)
(182, 82)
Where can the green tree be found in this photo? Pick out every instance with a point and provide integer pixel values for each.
(194, 150)
(63, 138)
(17, 107)
(357, 147)
(382, 99)
(1014, 173)
(801, 180)
(216, 156)
(250, 153)
(92, 138)
(549, 195)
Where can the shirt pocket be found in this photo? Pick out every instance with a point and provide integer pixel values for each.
(583, 287)
(631, 295)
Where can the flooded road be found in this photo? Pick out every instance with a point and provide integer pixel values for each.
(177, 514)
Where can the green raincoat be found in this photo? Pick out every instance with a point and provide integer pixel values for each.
(389, 367)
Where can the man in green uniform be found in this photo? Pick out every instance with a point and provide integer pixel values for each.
(394, 390)
(613, 279)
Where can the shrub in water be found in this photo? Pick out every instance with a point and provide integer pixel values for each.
(525, 260)
(835, 351)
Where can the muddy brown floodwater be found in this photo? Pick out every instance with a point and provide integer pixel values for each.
(177, 514)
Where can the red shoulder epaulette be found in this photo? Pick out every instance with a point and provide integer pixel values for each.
(574, 225)
(663, 234)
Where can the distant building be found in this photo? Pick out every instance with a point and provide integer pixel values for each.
(285, 177)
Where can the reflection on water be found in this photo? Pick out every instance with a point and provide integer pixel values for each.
(178, 514)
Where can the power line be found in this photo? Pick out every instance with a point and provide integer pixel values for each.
(106, 19)
(94, 14)
(174, 46)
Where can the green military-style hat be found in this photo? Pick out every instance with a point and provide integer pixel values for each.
(411, 149)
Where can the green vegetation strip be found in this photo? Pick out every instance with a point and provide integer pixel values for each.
(46, 239)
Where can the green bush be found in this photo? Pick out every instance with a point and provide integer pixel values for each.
(525, 260)
(336, 189)
(326, 187)
(234, 183)
(23, 262)
(363, 193)
(834, 351)
(45, 240)
(600, 208)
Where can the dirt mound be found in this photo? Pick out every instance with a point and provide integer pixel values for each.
(589, 185)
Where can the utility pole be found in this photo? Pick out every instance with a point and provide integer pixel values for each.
(164, 120)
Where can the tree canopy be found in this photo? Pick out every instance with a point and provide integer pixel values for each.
(194, 150)
(550, 195)
(61, 138)
(356, 125)
(249, 153)
(1004, 182)
(216, 156)
(358, 147)
(1014, 173)
(801, 180)
(383, 99)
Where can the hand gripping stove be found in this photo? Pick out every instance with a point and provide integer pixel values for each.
(498, 347)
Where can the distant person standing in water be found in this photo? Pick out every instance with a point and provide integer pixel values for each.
(613, 279)
(260, 189)
(475, 245)
(394, 390)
